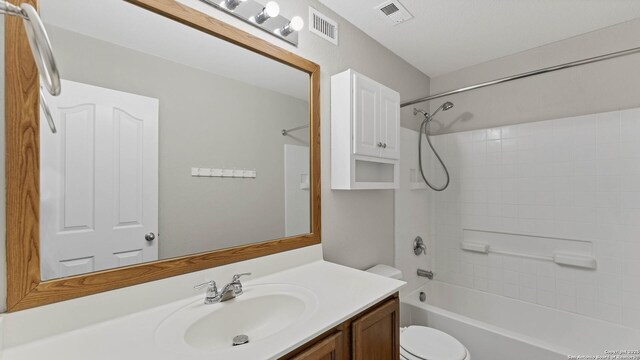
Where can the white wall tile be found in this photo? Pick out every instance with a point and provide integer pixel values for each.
(608, 127)
(576, 178)
(546, 298)
(546, 283)
(494, 134)
(511, 290)
(528, 280)
(567, 303)
(511, 277)
(631, 318)
(528, 294)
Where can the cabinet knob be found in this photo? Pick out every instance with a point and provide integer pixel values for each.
(384, 146)
(380, 144)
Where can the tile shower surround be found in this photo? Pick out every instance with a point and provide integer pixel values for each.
(572, 178)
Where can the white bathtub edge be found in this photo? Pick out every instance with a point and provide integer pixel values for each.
(492, 328)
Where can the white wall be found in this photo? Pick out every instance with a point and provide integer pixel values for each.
(357, 226)
(598, 87)
(573, 178)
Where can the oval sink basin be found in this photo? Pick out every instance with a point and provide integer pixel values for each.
(261, 312)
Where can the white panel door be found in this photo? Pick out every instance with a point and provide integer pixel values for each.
(98, 181)
(366, 106)
(297, 207)
(389, 123)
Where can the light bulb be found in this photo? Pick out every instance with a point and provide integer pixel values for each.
(297, 23)
(272, 9)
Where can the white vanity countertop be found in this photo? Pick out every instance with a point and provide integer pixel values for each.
(341, 293)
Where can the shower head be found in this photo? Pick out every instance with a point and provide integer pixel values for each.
(444, 107)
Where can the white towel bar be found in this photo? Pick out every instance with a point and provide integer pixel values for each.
(581, 261)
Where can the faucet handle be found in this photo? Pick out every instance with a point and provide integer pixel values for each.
(237, 287)
(237, 277)
(210, 285)
(212, 291)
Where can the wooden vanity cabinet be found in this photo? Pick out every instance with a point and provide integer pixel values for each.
(376, 334)
(331, 348)
(373, 334)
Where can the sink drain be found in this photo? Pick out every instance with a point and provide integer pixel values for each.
(240, 340)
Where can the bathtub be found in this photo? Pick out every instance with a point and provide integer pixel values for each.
(494, 327)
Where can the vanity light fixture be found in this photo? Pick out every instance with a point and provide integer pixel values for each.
(271, 10)
(296, 24)
(263, 14)
(232, 4)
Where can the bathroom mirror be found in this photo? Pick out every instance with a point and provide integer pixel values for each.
(176, 150)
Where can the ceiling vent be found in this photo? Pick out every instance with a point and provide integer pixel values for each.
(323, 26)
(393, 12)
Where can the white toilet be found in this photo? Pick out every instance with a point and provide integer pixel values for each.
(421, 342)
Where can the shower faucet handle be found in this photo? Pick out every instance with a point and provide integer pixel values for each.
(419, 247)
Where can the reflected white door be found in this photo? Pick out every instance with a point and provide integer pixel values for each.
(297, 208)
(98, 181)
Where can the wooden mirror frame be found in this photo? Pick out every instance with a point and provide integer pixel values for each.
(22, 125)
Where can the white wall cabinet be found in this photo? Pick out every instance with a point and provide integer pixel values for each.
(389, 123)
(365, 130)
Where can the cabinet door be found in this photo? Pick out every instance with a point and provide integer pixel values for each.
(327, 349)
(376, 335)
(366, 108)
(390, 123)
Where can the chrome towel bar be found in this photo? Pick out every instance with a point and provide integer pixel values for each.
(41, 50)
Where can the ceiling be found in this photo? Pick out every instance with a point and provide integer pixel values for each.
(138, 29)
(448, 35)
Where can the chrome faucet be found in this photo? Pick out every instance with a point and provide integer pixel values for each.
(232, 289)
(228, 292)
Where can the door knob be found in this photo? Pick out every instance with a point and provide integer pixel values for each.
(150, 236)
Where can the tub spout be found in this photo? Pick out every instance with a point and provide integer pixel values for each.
(426, 273)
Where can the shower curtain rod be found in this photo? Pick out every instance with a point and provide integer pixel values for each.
(526, 75)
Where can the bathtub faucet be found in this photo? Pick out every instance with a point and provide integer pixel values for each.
(426, 273)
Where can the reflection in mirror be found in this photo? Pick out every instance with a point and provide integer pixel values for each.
(150, 121)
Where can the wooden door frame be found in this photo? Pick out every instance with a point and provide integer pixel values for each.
(22, 128)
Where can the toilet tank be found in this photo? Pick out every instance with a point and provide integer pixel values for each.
(387, 271)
